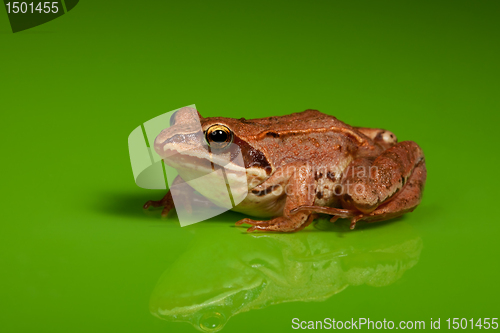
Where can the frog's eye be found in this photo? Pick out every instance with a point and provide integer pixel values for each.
(218, 136)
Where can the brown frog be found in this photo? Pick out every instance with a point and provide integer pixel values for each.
(300, 165)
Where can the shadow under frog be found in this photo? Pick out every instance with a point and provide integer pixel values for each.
(218, 278)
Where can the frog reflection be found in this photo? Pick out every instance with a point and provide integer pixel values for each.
(261, 270)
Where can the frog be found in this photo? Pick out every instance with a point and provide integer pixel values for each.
(299, 167)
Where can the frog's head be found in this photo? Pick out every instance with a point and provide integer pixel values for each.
(195, 146)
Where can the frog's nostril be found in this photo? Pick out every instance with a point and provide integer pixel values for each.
(189, 138)
(172, 118)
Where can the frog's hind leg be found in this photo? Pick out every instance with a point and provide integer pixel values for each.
(386, 187)
(403, 202)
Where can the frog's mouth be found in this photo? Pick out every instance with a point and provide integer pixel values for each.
(188, 159)
(200, 159)
(217, 178)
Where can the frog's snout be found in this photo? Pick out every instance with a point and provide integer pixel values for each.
(178, 138)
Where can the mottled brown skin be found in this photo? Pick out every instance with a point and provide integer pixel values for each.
(311, 154)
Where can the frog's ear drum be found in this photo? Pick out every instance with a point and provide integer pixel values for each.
(218, 137)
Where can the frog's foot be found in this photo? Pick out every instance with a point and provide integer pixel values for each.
(166, 202)
(352, 214)
(255, 224)
(342, 213)
(336, 212)
(294, 223)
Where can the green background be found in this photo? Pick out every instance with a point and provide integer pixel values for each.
(77, 252)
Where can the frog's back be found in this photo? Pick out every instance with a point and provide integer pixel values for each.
(306, 120)
(308, 136)
(303, 136)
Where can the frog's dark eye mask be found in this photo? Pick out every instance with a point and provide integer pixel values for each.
(219, 137)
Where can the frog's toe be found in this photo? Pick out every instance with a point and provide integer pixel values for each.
(167, 203)
(339, 212)
(259, 227)
(251, 222)
(255, 225)
(278, 224)
(240, 222)
(356, 219)
(152, 203)
(334, 218)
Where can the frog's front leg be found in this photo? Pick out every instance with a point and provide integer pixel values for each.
(299, 191)
(167, 202)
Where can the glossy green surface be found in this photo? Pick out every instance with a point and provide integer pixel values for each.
(77, 252)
